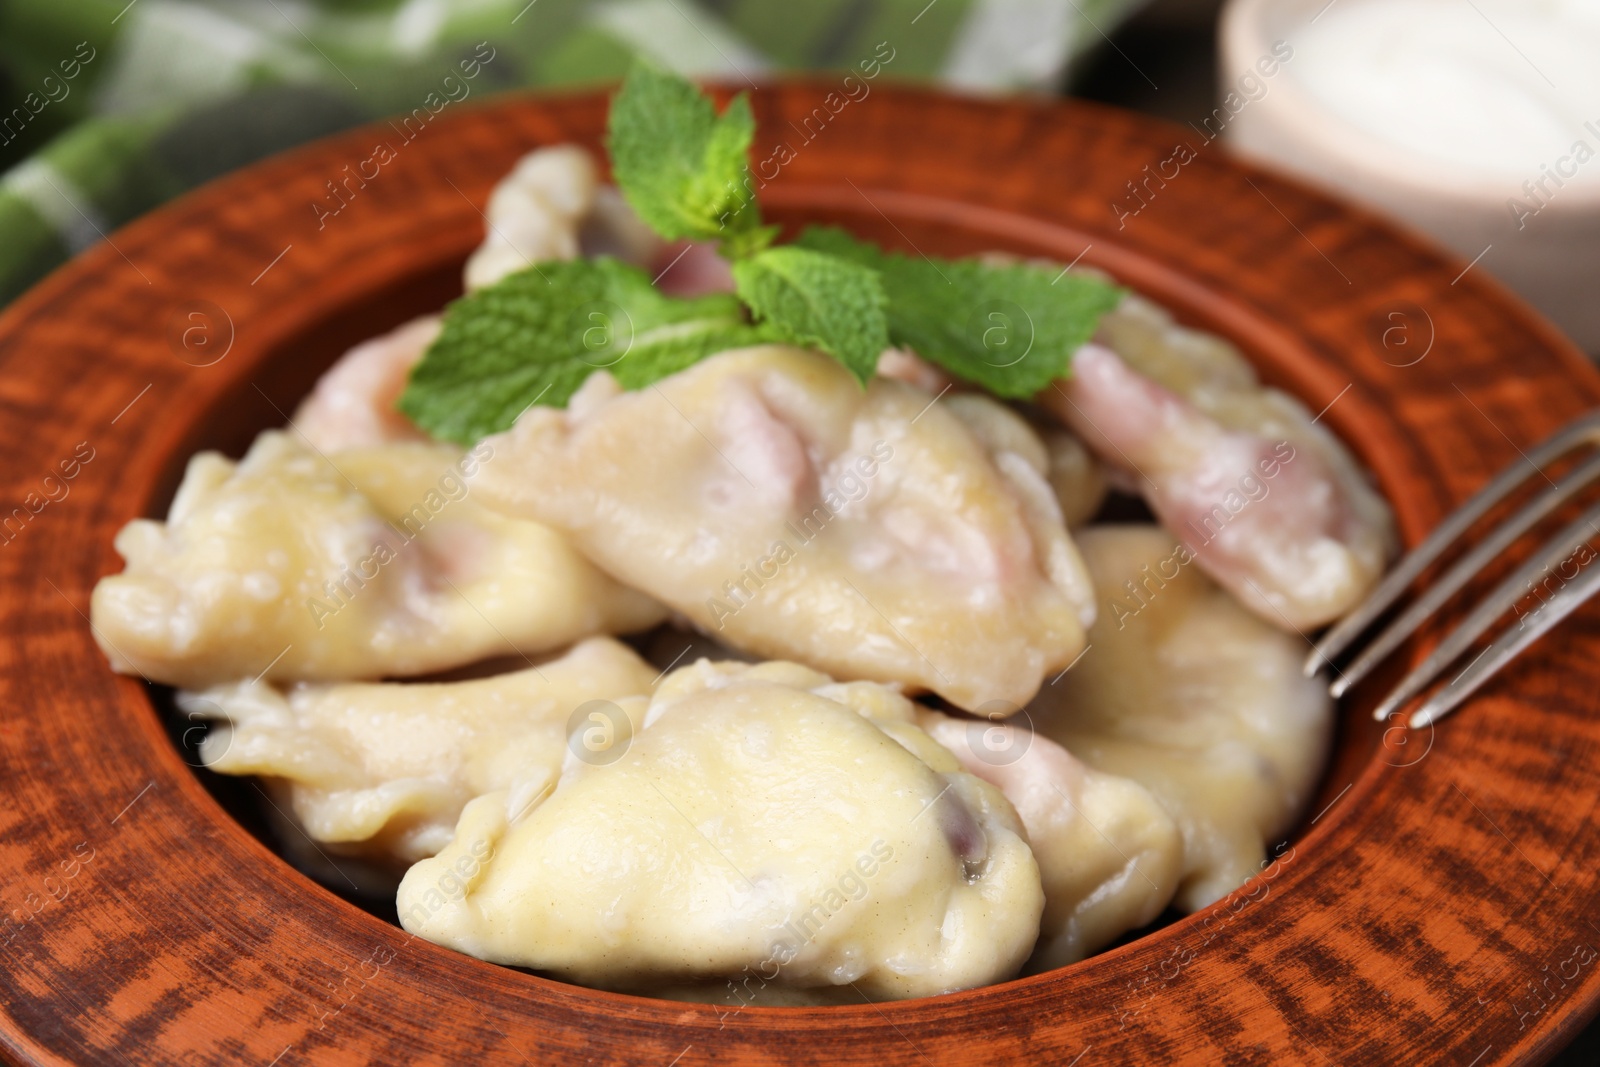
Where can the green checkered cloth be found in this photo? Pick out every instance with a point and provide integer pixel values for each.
(115, 107)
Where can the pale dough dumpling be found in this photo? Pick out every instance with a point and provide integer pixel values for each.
(788, 512)
(1271, 503)
(1186, 692)
(353, 403)
(382, 770)
(764, 821)
(288, 566)
(1109, 854)
(552, 206)
(1079, 483)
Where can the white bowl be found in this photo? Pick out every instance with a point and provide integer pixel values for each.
(1552, 260)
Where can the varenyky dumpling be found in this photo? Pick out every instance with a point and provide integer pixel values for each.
(1109, 854)
(550, 206)
(382, 770)
(353, 403)
(1271, 503)
(1201, 701)
(288, 565)
(1079, 483)
(782, 508)
(764, 821)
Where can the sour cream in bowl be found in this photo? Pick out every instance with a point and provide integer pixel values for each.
(1477, 123)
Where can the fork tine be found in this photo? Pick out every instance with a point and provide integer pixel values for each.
(1340, 635)
(1507, 647)
(1431, 599)
(1500, 600)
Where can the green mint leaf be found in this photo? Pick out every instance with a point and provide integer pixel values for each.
(683, 167)
(534, 337)
(1010, 328)
(818, 300)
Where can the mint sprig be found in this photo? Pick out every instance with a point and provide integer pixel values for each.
(684, 168)
(1011, 328)
(535, 336)
(818, 301)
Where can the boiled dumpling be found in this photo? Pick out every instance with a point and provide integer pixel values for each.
(382, 770)
(1196, 698)
(534, 213)
(353, 403)
(287, 565)
(1079, 483)
(1108, 852)
(1271, 503)
(764, 821)
(788, 512)
(551, 206)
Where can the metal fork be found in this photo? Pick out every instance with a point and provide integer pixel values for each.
(1569, 594)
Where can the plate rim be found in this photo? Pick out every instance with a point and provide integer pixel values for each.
(34, 315)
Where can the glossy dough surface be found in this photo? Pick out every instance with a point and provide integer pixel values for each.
(764, 821)
(290, 565)
(1186, 692)
(382, 770)
(766, 496)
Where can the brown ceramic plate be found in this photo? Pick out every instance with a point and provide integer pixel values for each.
(1436, 905)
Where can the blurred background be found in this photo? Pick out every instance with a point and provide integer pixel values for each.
(1476, 122)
